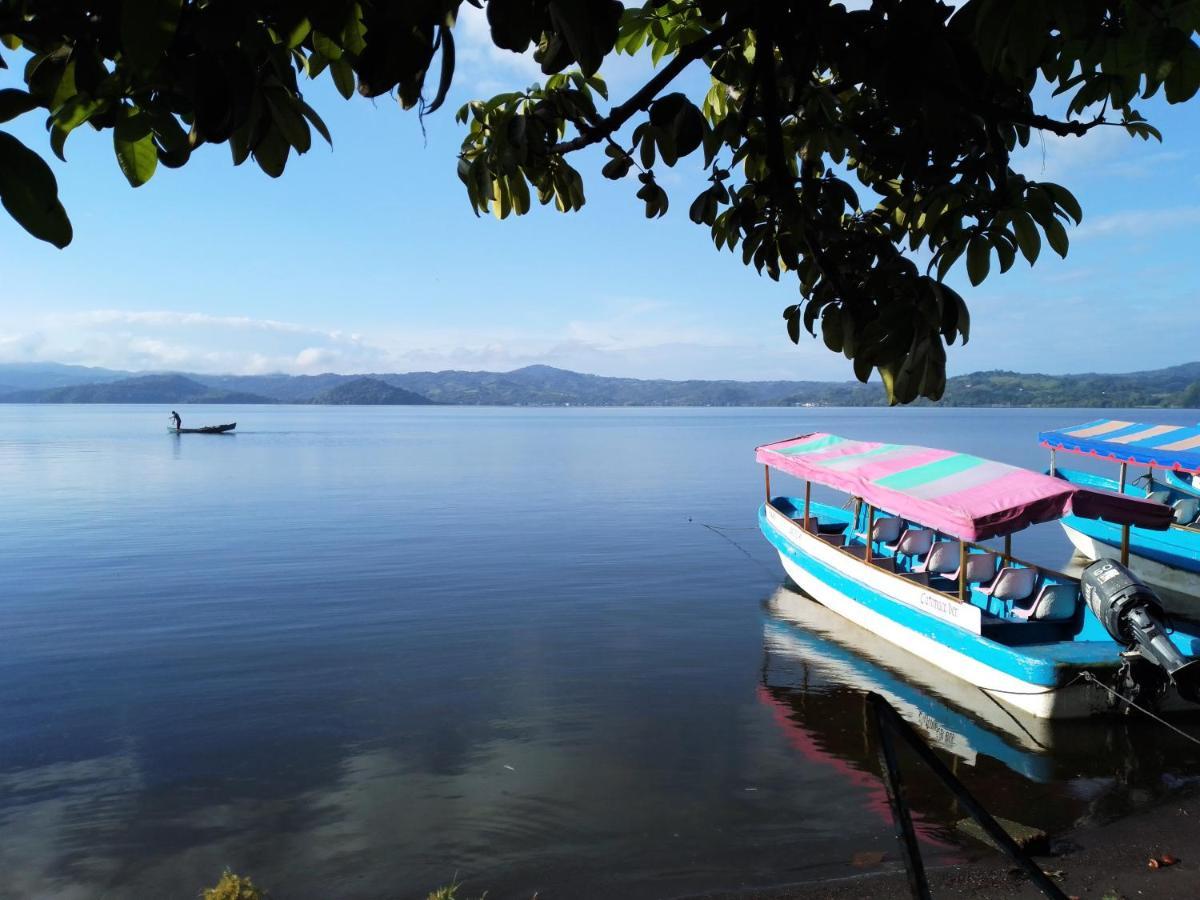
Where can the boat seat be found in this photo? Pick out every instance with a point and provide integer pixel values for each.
(980, 567)
(1186, 511)
(887, 530)
(1054, 602)
(913, 542)
(1012, 583)
(830, 538)
(863, 552)
(942, 558)
(1159, 496)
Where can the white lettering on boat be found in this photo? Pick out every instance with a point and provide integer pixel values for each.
(941, 606)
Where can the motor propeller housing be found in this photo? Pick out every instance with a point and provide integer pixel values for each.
(1133, 615)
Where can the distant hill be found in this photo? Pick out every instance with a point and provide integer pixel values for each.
(142, 389)
(40, 376)
(1176, 386)
(369, 392)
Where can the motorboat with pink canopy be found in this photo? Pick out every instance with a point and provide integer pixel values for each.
(955, 493)
(906, 562)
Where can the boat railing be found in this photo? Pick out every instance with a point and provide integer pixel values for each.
(848, 550)
(811, 525)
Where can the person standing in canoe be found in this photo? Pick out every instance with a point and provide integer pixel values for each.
(176, 422)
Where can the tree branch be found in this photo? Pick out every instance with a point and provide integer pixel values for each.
(1062, 129)
(646, 94)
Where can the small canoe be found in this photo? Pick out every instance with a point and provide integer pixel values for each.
(207, 429)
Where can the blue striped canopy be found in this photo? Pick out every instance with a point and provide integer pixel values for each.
(1165, 446)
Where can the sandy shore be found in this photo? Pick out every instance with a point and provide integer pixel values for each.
(1109, 861)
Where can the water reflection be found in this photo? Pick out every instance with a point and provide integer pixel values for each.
(818, 669)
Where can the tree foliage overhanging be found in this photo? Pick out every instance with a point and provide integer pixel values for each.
(918, 103)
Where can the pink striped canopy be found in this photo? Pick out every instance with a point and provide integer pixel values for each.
(965, 496)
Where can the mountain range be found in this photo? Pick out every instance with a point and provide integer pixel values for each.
(1176, 386)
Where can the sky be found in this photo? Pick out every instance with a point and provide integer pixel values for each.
(366, 257)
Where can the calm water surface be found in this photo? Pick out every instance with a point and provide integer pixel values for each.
(359, 652)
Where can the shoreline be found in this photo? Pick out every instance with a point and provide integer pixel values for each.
(1090, 862)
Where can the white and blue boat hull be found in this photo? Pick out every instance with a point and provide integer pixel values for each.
(942, 632)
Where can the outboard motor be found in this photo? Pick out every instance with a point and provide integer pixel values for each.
(1132, 614)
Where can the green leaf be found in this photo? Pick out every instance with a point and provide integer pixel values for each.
(343, 77)
(589, 27)
(519, 192)
(514, 24)
(978, 259)
(1056, 235)
(1184, 80)
(1065, 200)
(831, 328)
(14, 103)
(298, 32)
(447, 72)
(73, 113)
(30, 193)
(134, 145)
(271, 153)
(792, 315)
(316, 121)
(1027, 235)
(325, 46)
(147, 29)
(288, 119)
(680, 122)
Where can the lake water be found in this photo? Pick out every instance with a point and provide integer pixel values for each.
(358, 653)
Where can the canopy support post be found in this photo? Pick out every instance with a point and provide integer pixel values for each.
(1125, 544)
(1052, 462)
(1007, 549)
(807, 498)
(1149, 480)
(870, 534)
(767, 476)
(1121, 479)
(962, 571)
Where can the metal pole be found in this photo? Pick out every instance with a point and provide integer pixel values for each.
(767, 475)
(1007, 548)
(962, 571)
(1125, 544)
(898, 799)
(1121, 480)
(1052, 466)
(807, 497)
(870, 533)
(887, 718)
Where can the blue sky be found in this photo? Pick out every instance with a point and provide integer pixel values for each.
(367, 257)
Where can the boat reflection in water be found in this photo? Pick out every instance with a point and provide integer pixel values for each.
(818, 668)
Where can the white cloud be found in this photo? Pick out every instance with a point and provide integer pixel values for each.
(1138, 222)
(488, 68)
(635, 337)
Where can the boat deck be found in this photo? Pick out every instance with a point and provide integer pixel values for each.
(1062, 642)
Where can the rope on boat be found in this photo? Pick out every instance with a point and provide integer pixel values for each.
(720, 532)
(1088, 676)
(1061, 687)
